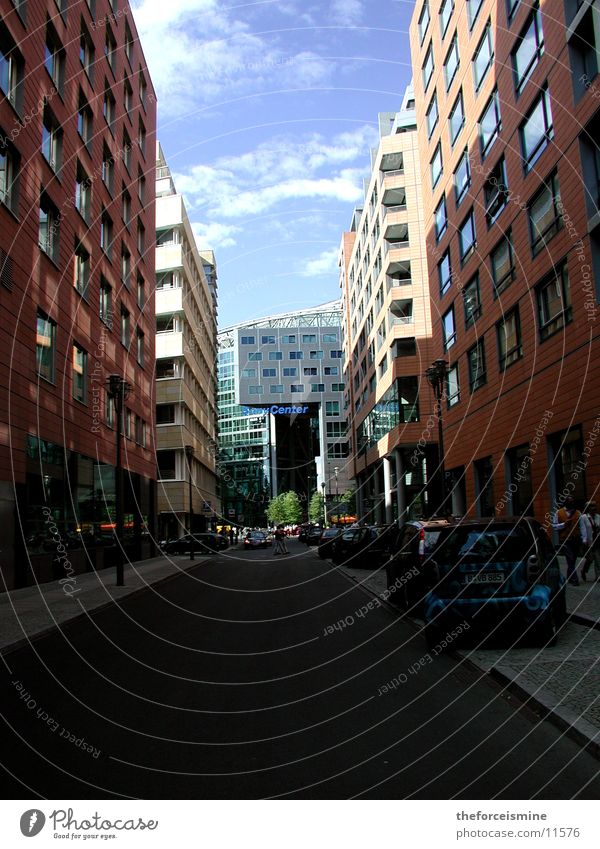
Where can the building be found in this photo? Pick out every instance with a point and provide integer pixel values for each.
(508, 117)
(186, 356)
(282, 423)
(387, 330)
(77, 128)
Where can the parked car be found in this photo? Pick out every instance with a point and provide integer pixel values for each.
(255, 539)
(494, 573)
(204, 543)
(407, 567)
(364, 546)
(303, 531)
(326, 542)
(222, 541)
(313, 535)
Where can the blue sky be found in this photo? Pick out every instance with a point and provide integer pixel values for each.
(267, 113)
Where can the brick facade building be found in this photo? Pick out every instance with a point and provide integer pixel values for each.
(507, 110)
(77, 127)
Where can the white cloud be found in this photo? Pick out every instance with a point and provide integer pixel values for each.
(325, 263)
(349, 12)
(214, 235)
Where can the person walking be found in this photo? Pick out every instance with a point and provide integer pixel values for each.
(592, 555)
(280, 546)
(569, 529)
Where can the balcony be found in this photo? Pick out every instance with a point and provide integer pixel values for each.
(401, 312)
(392, 165)
(394, 200)
(395, 237)
(169, 301)
(169, 344)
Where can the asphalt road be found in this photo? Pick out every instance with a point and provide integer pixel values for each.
(231, 682)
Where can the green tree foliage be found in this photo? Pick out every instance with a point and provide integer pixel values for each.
(285, 509)
(315, 507)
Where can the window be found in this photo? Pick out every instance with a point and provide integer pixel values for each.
(165, 323)
(512, 6)
(473, 8)
(166, 280)
(248, 340)
(128, 44)
(446, 10)
(254, 356)
(275, 355)
(448, 329)
(110, 48)
(141, 292)
(108, 169)
(336, 355)
(432, 115)
(166, 465)
(141, 237)
(167, 368)
(476, 361)
(83, 193)
(45, 346)
(143, 90)
(290, 372)
(296, 355)
(316, 355)
(297, 387)
(127, 97)
(9, 174)
(141, 187)
(84, 120)
(86, 52)
(11, 69)
(336, 429)
(482, 60)
(583, 49)
(427, 68)
(489, 124)
(472, 301)
(317, 387)
(451, 63)
(81, 270)
(308, 338)
(424, 20)
(331, 370)
(495, 192)
(545, 219)
(452, 386)
(339, 451)
(54, 58)
(436, 165)
(503, 264)
(165, 414)
(536, 131)
(109, 107)
(307, 372)
(79, 370)
(269, 372)
(462, 178)
(331, 338)
(139, 340)
(106, 234)
(288, 340)
(125, 327)
(52, 136)
(276, 389)
(554, 302)
(267, 340)
(529, 49)
(248, 373)
(441, 218)
(332, 408)
(457, 118)
(142, 139)
(109, 409)
(466, 237)
(106, 302)
(126, 207)
(445, 272)
(484, 486)
(49, 227)
(509, 339)
(127, 148)
(339, 387)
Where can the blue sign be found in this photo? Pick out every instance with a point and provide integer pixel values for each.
(276, 410)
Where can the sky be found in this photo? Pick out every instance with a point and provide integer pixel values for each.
(267, 112)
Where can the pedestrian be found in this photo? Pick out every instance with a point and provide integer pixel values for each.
(280, 546)
(231, 536)
(592, 555)
(568, 525)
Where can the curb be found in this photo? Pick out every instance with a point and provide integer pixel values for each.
(50, 629)
(540, 704)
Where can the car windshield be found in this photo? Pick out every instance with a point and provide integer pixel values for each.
(331, 532)
(257, 535)
(493, 544)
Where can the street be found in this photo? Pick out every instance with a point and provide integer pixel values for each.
(254, 676)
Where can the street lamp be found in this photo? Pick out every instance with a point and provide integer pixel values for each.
(335, 472)
(436, 375)
(118, 389)
(189, 453)
(324, 505)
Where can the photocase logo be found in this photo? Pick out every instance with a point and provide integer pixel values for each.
(32, 822)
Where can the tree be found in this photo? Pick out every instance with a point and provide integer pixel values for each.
(315, 507)
(348, 498)
(285, 509)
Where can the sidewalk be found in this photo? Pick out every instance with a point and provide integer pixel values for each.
(561, 683)
(33, 611)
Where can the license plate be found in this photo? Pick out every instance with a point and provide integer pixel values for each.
(485, 578)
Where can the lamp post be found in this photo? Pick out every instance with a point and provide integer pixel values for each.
(436, 375)
(118, 389)
(189, 453)
(324, 505)
(335, 472)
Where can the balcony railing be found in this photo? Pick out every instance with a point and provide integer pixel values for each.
(400, 320)
(397, 173)
(390, 210)
(394, 246)
(393, 282)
